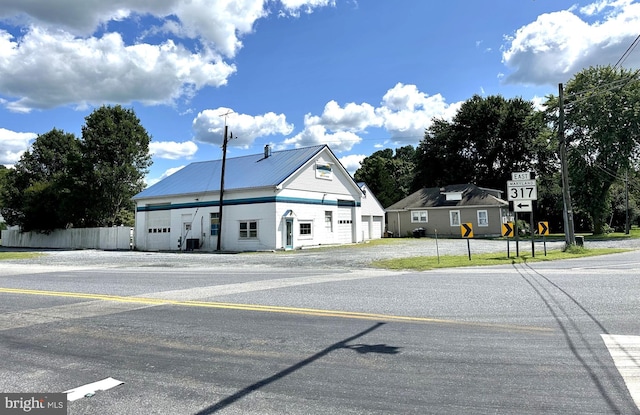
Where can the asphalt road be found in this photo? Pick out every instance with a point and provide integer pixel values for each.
(314, 332)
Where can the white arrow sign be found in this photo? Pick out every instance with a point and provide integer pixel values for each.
(522, 206)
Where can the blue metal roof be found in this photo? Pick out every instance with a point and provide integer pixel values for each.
(240, 173)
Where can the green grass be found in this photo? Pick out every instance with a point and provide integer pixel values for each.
(424, 263)
(19, 255)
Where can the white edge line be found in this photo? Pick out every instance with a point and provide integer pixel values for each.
(90, 388)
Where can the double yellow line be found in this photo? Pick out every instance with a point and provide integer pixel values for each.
(273, 309)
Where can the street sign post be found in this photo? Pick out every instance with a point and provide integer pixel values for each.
(543, 229)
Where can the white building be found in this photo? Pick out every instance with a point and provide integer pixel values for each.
(276, 200)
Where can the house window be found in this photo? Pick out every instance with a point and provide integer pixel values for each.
(454, 217)
(483, 218)
(419, 216)
(215, 223)
(328, 220)
(305, 229)
(248, 230)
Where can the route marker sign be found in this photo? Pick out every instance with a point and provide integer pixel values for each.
(507, 229)
(522, 190)
(466, 230)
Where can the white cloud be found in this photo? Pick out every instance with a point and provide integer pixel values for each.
(13, 144)
(407, 112)
(404, 113)
(173, 150)
(217, 23)
(293, 7)
(208, 126)
(167, 173)
(352, 117)
(352, 162)
(318, 134)
(60, 56)
(95, 70)
(558, 45)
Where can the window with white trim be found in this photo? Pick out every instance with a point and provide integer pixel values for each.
(454, 217)
(248, 229)
(483, 218)
(419, 216)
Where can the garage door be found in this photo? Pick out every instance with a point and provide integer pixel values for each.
(158, 230)
(376, 232)
(365, 227)
(345, 222)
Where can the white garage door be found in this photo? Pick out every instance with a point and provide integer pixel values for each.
(158, 230)
(345, 224)
(376, 232)
(365, 228)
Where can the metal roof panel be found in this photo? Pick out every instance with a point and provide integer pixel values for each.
(240, 173)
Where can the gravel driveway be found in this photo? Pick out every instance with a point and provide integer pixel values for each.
(344, 257)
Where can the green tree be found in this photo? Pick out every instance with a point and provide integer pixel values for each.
(388, 176)
(487, 140)
(115, 159)
(35, 194)
(602, 129)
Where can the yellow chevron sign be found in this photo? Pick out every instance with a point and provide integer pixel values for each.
(466, 230)
(543, 228)
(508, 229)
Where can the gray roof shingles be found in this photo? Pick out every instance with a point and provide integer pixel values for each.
(244, 172)
(472, 195)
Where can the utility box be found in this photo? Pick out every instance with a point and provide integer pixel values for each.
(193, 244)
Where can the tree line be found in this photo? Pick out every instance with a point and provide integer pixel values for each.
(64, 181)
(491, 137)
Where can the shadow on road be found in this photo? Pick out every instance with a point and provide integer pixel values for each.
(360, 348)
(574, 336)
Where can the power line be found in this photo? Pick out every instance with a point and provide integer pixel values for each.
(626, 54)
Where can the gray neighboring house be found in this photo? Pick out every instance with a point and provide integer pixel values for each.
(443, 210)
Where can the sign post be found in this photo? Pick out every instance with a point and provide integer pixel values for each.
(466, 230)
(543, 229)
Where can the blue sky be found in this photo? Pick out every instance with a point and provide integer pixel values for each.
(357, 75)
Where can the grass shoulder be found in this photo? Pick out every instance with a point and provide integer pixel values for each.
(6, 256)
(425, 263)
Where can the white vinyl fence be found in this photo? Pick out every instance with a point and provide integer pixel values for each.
(116, 238)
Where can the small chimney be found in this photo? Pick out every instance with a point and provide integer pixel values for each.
(267, 151)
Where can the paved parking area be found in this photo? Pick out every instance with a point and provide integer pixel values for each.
(345, 257)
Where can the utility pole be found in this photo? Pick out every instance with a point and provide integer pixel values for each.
(570, 238)
(627, 226)
(224, 161)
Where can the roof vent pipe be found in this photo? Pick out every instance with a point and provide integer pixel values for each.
(267, 151)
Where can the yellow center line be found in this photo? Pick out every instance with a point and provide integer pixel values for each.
(273, 309)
